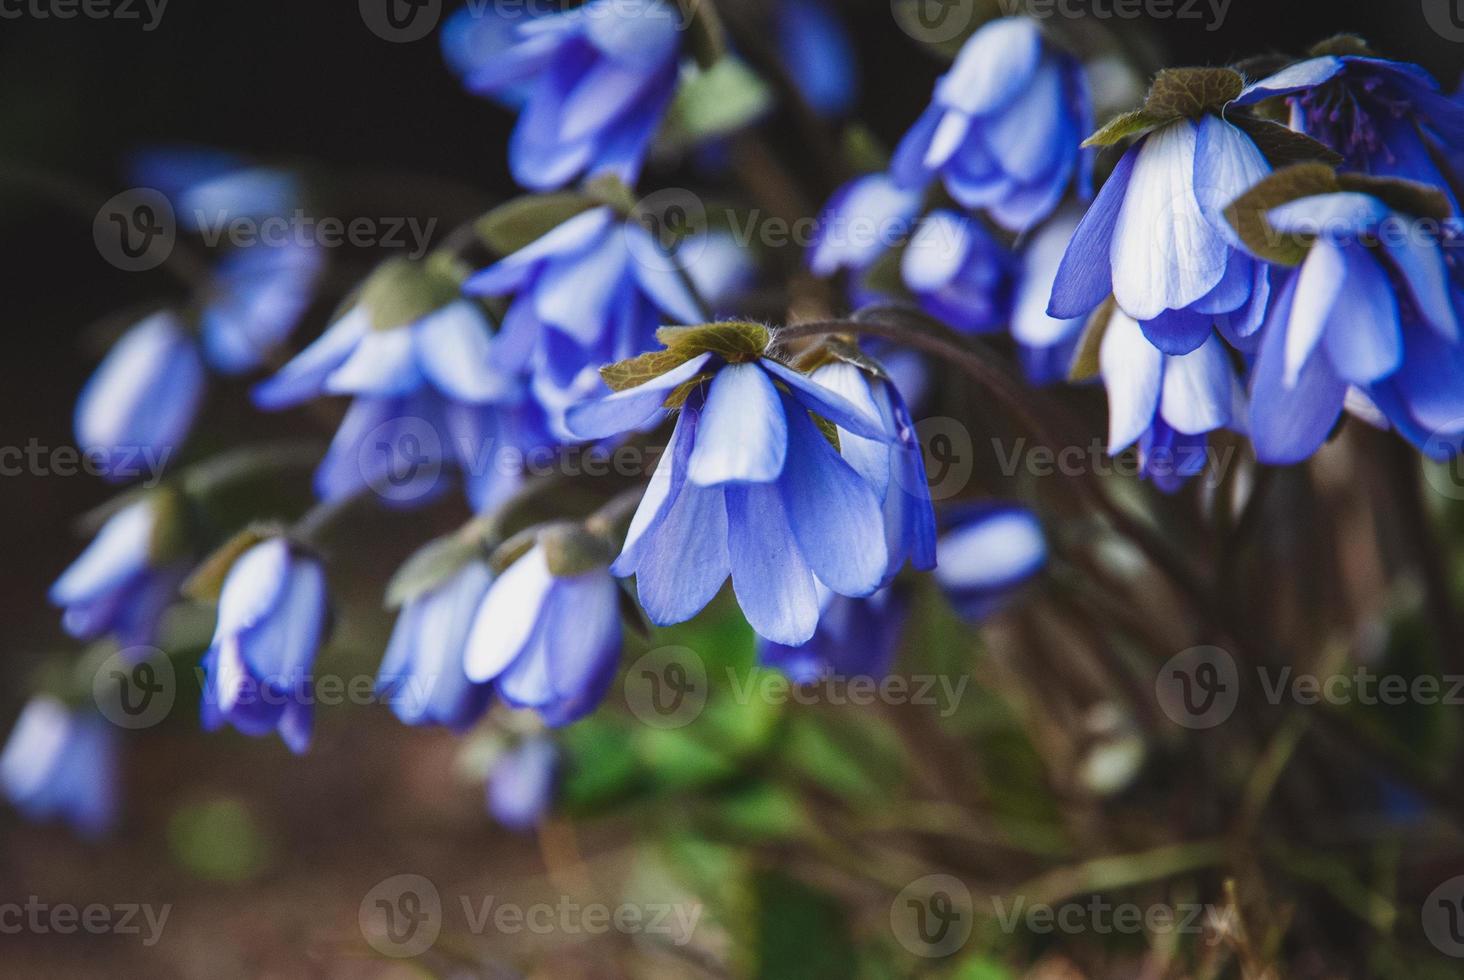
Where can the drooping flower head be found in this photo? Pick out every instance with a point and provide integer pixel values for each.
(522, 782)
(1372, 304)
(422, 674)
(1167, 403)
(989, 552)
(750, 485)
(855, 638)
(893, 466)
(1156, 236)
(258, 294)
(547, 632)
(126, 579)
(1387, 118)
(258, 670)
(210, 189)
(864, 219)
(595, 81)
(959, 272)
(60, 763)
(1005, 127)
(418, 360)
(1047, 345)
(139, 406)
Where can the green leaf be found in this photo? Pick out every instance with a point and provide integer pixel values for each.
(513, 549)
(718, 101)
(1342, 45)
(637, 371)
(570, 549)
(601, 766)
(218, 840)
(838, 349)
(432, 564)
(207, 581)
(1406, 196)
(612, 192)
(1192, 92)
(1281, 146)
(760, 813)
(731, 338)
(803, 933)
(857, 758)
(401, 292)
(1123, 126)
(524, 220)
(1248, 213)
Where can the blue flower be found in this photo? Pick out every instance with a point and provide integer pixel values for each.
(61, 763)
(1165, 402)
(210, 189)
(819, 55)
(127, 577)
(257, 296)
(1372, 306)
(547, 642)
(593, 291)
(141, 403)
(864, 219)
(748, 487)
(1387, 118)
(479, 36)
(272, 621)
(427, 390)
(422, 672)
(1005, 127)
(522, 782)
(990, 551)
(1047, 345)
(959, 272)
(893, 466)
(1156, 238)
(598, 79)
(855, 638)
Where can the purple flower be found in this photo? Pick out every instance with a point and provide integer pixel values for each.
(1165, 402)
(959, 272)
(748, 487)
(819, 55)
(894, 466)
(521, 784)
(271, 623)
(1373, 306)
(127, 577)
(862, 221)
(855, 638)
(546, 641)
(256, 299)
(209, 189)
(422, 672)
(990, 551)
(1005, 127)
(1156, 238)
(595, 82)
(141, 403)
(1388, 118)
(61, 763)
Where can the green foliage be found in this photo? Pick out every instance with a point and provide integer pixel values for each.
(218, 840)
(524, 220)
(718, 101)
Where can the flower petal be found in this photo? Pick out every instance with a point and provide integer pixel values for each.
(742, 436)
(774, 585)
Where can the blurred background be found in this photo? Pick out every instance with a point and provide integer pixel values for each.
(266, 859)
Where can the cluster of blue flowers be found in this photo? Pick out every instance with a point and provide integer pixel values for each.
(1231, 273)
